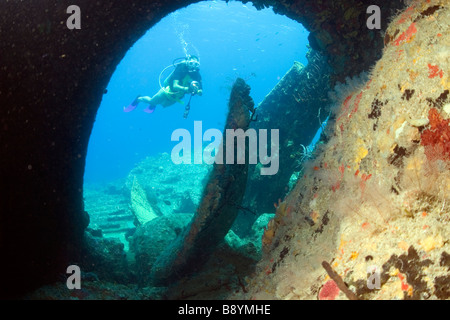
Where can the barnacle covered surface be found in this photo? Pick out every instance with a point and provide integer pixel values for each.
(375, 199)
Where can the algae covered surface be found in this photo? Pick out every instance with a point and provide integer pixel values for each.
(375, 200)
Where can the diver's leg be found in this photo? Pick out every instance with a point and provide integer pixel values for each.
(136, 101)
(167, 103)
(172, 99)
(144, 99)
(158, 98)
(152, 102)
(162, 98)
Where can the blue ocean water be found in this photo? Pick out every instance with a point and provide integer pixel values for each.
(232, 40)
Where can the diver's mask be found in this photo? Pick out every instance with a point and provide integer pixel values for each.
(193, 64)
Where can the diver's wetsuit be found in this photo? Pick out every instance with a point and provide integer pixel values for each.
(182, 74)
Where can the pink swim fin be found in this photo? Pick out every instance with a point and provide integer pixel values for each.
(132, 105)
(150, 109)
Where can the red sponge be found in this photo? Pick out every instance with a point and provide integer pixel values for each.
(436, 139)
(329, 291)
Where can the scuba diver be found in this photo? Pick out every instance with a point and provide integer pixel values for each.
(185, 78)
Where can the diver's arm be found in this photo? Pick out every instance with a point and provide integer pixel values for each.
(177, 87)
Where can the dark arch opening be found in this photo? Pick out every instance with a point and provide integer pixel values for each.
(262, 52)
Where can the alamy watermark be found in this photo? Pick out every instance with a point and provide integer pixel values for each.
(373, 22)
(74, 280)
(374, 277)
(74, 20)
(214, 152)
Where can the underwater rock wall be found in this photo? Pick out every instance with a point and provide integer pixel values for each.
(338, 30)
(372, 209)
(51, 83)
